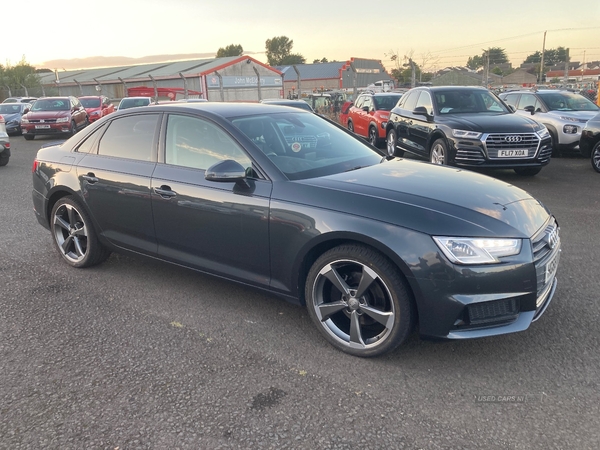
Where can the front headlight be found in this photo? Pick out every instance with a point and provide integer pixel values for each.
(543, 133)
(477, 250)
(24, 120)
(569, 119)
(62, 119)
(466, 134)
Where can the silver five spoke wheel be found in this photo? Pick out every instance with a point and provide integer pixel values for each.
(70, 233)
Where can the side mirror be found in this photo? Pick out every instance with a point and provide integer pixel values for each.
(530, 109)
(421, 111)
(26, 110)
(225, 171)
(365, 108)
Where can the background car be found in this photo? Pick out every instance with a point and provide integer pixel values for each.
(54, 115)
(133, 102)
(13, 113)
(20, 100)
(590, 141)
(466, 127)
(373, 246)
(286, 102)
(564, 113)
(97, 106)
(4, 144)
(369, 114)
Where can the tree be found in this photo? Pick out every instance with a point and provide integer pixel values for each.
(230, 50)
(279, 52)
(496, 56)
(317, 61)
(552, 56)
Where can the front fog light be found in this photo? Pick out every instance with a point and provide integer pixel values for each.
(570, 129)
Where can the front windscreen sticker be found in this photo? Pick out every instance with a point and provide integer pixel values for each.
(296, 147)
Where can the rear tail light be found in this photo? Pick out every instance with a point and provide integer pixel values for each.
(35, 166)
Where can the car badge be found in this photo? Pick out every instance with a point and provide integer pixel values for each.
(42, 121)
(513, 138)
(552, 238)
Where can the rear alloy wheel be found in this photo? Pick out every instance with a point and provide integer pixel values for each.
(350, 126)
(439, 153)
(527, 171)
(359, 301)
(390, 143)
(74, 235)
(373, 138)
(596, 157)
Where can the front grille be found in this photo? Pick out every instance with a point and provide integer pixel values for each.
(546, 252)
(493, 312)
(512, 141)
(42, 121)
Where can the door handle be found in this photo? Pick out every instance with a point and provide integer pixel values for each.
(90, 178)
(165, 192)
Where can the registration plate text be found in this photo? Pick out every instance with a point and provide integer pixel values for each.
(513, 153)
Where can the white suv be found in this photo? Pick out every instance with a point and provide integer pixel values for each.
(564, 113)
(4, 144)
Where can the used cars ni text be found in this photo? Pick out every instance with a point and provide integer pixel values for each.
(289, 202)
(54, 115)
(467, 127)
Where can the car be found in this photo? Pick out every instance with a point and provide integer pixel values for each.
(589, 143)
(13, 113)
(4, 144)
(97, 106)
(133, 102)
(20, 100)
(369, 114)
(467, 127)
(374, 246)
(564, 113)
(191, 100)
(289, 102)
(54, 115)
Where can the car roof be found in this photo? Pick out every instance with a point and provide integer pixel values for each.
(230, 109)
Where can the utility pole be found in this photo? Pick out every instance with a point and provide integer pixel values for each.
(542, 62)
(566, 78)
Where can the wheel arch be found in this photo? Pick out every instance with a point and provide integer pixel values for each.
(315, 248)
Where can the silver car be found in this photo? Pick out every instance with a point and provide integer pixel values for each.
(564, 113)
(4, 143)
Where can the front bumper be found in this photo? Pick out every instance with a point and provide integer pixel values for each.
(53, 128)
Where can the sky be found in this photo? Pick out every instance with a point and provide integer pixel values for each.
(436, 34)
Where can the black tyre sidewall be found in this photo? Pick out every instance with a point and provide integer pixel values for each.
(596, 150)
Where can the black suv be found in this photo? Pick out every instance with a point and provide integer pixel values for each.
(468, 127)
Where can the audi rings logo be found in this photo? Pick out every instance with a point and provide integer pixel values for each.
(513, 139)
(552, 238)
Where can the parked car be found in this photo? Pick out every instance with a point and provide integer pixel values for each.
(564, 113)
(4, 144)
(97, 106)
(590, 141)
(13, 113)
(54, 115)
(19, 100)
(133, 102)
(369, 114)
(288, 102)
(467, 127)
(372, 245)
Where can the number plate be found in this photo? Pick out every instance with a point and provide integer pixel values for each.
(513, 153)
(38, 127)
(551, 268)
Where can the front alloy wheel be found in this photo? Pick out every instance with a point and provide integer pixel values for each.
(74, 236)
(439, 153)
(596, 157)
(359, 301)
(373, 138)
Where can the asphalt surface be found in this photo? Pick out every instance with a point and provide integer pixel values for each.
(139, 354)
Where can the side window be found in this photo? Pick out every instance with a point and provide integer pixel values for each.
(130, 137)
(359, 101)
(425, 100)
(511, 99)
(198, 144)
(87, 146)
(367, 102)
(528, 100)
(411, 100)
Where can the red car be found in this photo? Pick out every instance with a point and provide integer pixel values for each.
(369, 115)
(97, 106)
(54, 115)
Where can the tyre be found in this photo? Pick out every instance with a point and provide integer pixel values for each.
(73, 128)
(596, 157)
(555, 147)
(373, 138)
(350, 126)
(28, 137)
(390, 141)
(527, 171)
(359, 301)
(74, 235)
(4, 159)
(439, 153)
